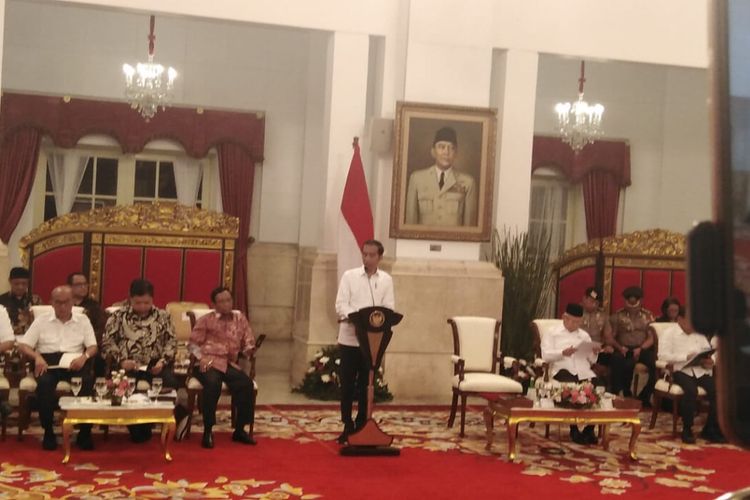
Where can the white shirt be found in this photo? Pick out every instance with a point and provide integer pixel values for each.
(675, 346)
(356, 291)
(559, 339)
(47, 334)
(6, 328)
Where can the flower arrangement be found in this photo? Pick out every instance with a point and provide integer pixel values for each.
(581, 395)
(322, 378)
(117, 385)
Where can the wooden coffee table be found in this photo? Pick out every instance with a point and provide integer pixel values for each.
(84, 411)
(519, 409)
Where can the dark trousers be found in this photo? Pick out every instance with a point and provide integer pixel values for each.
(168, 380)
(688, 401)
(354, 374)
(621, 372)
(240, 386)
(565, 376)
(47, 382)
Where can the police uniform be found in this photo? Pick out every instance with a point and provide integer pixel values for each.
(630, 330)
(455, 204)
(594, 323)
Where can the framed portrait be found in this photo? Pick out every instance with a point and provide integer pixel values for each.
(443, 167)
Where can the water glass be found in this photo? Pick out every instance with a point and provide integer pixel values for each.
(156, 385)
(131, 387)
(100, 386)
(75, 385)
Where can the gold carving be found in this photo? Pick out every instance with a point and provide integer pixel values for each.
(152, 218)
(228, 268)
(377, 318)
(95, 270)
(607, 287)
(655, 242)
(650, 263)
(58, 241)
(96, 239)
(577, 264)
(162, 241)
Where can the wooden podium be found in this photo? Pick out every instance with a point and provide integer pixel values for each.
(373, 329)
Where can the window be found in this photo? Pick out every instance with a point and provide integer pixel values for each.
(154, 180)
(548, 210)
(98, 187)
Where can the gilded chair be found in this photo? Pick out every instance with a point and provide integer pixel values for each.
(665, 388)
(195, 388)
(476, 362)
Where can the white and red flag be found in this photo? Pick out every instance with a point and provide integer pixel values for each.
(355, 224)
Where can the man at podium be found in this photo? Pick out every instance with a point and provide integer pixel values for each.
(364, 286)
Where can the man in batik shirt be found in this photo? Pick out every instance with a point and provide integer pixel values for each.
(140, 339)
(217, 340)
(19, 299)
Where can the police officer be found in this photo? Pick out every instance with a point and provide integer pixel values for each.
(633, 343)
(596, 324)
(440, 195)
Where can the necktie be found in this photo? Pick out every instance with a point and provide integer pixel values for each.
(442, 180)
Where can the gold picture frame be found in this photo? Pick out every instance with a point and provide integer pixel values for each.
(460, 208)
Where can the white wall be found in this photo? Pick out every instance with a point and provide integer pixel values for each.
(60, 49)
(662, 111)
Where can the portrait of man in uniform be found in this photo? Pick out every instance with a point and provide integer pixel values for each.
(443, 166)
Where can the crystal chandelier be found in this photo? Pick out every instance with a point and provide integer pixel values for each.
(578, 122)
(149, 85)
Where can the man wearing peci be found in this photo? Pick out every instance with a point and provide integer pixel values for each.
(361, 287)
(440, 195)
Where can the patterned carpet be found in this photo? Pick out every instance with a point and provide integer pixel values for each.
(296, 454)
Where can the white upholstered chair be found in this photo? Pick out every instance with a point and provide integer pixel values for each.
(195, 388)
(665, 388)
(476, 361)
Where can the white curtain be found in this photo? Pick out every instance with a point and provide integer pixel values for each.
(66, 172)
(187, 176)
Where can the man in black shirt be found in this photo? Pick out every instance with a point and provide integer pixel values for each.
(19, 299)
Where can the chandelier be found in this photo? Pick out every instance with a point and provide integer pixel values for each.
(149, 85)
(579, 123)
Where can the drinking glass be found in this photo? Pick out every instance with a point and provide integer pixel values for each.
(75, 386)
(156, 385)
(131, 387)
(100, 386)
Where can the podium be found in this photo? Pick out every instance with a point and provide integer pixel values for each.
(373, 329)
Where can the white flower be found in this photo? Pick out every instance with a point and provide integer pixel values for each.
(338, 361)
(311, 369)
(324, 359)
(325, 378)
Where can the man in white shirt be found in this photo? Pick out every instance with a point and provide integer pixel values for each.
(568, 363)
(49, 337)
(676, 345)
(365, 286)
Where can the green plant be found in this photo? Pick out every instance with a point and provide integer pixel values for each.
(524, 261)
(322, 378)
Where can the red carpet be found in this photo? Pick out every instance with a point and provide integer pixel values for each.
(296, 458)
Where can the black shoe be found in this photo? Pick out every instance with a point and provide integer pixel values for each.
(49, 442)
(588, 435)
(5, 408)
(140, 433)
(687, 437)
(344, 436)
(84, 441)
(576, 436)
(208, 440)
(240, 436)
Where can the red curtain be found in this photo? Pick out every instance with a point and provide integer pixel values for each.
(601, 199)
(20, 152)
(236, 173)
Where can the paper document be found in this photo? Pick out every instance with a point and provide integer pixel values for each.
(695, 360)
(65, 360)
(143, 368)
(586, 348)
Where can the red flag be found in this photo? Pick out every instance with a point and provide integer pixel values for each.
(355, 203)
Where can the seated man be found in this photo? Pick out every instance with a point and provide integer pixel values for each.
(596, 324)
(633, 343)
(19, 299)
(139, 338)
(676, 345)
(567, 363)
(79, 283)
(6, 344)
(49, 337)
(217, 340)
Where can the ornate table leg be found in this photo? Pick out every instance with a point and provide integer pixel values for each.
(489, 423)
(66, 428)
(167, 431)
(635, 430)
(512, 429)
(605, 436)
